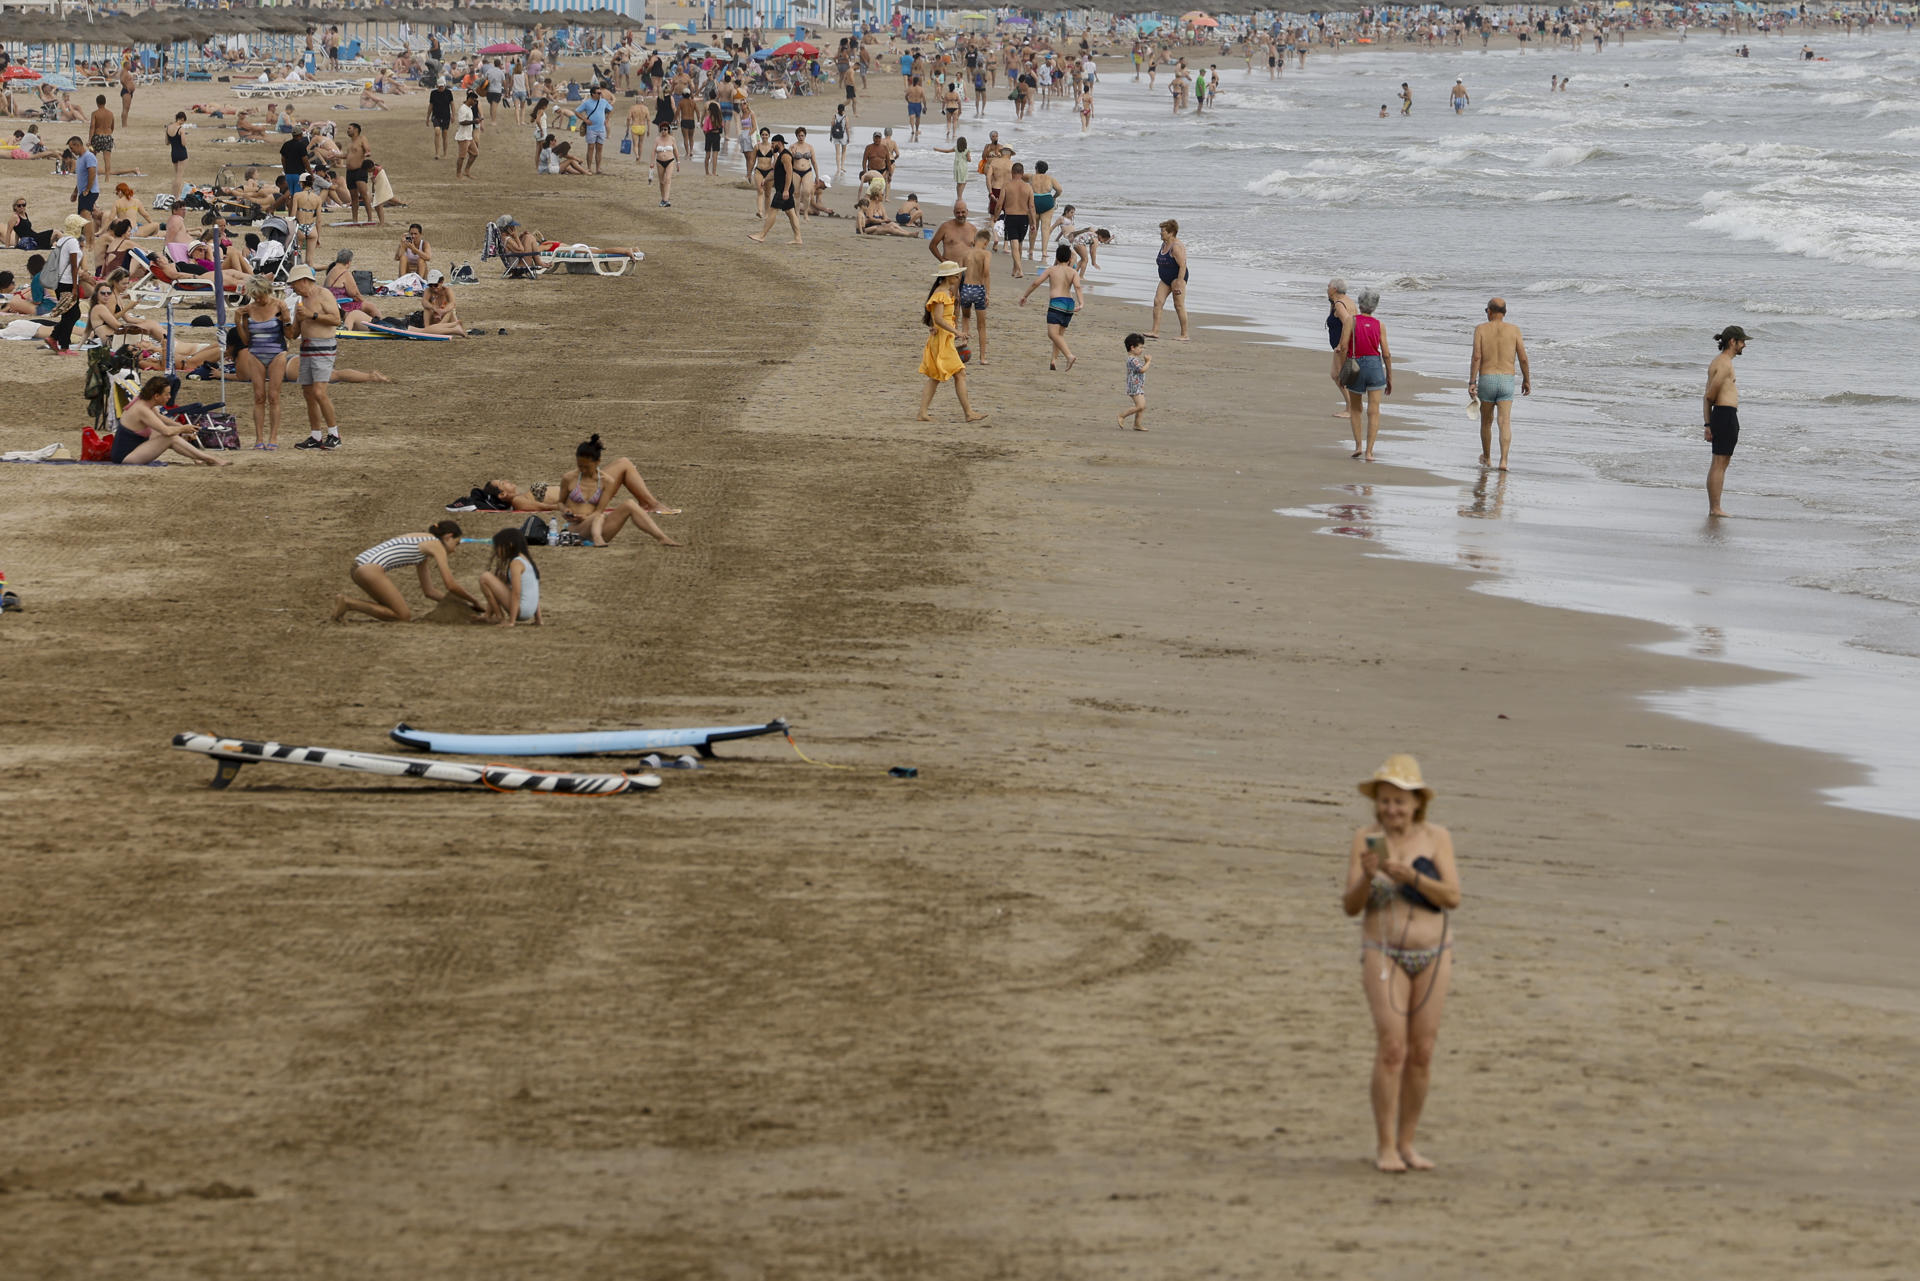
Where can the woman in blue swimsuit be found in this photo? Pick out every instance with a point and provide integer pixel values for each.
(1171, 263)
(1402, 883)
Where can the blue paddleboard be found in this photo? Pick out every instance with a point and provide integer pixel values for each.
(588, 743)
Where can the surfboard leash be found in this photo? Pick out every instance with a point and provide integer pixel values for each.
(809, 760)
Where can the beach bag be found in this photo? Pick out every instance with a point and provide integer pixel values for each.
(626, 145)
(1349, 370)
(214, 431)
(535, 531)
(96, 446)
(363, 281)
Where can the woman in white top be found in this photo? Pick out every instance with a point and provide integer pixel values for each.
(372, 567)
(666, 159)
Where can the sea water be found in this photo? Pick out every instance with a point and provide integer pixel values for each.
(1673, 189)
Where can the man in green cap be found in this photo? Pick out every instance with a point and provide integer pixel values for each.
(1722, 409)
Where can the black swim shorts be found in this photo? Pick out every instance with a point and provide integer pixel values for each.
(1017, 226)
(1724, 423)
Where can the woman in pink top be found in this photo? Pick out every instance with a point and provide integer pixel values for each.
(1365, 343)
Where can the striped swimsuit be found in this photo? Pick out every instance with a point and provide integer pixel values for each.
(395, 553)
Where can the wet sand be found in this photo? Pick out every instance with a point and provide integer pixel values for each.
(1078, 1001)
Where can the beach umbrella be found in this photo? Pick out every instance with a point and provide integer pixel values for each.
(505, 46)
(20, 73)
(793, 47)
(60, 80)
(1198, 19)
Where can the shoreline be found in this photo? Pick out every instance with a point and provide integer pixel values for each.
(1076, 1002)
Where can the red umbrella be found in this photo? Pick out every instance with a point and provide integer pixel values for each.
(793, 47)
(505, 46)
(20, 73)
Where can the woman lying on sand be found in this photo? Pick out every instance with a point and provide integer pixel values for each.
(144, 433)
(372, 567)
(1402, 882)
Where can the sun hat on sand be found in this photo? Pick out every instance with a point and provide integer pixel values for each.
(1403, 772)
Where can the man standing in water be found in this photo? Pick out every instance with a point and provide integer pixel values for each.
(1406, 99)
(1497, 348)
(1458, 97)
(1722, 409)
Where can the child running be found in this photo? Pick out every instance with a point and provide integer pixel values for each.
(1137, 363)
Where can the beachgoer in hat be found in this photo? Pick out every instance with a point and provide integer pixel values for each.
(941, 362)
(1402, 882)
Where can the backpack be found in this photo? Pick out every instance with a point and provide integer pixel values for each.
(50, 274)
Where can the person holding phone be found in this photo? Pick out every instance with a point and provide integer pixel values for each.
(1402, 883)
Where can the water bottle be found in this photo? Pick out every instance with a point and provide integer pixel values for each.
(553, 531)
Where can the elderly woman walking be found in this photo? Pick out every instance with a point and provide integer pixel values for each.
(1365, 343)
(1402, 883)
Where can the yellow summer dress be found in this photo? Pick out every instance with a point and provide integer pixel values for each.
(941, 361)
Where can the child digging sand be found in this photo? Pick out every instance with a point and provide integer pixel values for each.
(1137, 363)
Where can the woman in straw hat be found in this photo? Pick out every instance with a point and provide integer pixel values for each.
(941, 361)
(1401, 876)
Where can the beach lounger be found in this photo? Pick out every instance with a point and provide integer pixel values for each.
(580, 260)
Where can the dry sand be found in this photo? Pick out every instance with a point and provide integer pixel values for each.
(1077, 1002)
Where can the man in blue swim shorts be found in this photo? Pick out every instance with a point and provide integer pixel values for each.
(1497, 349)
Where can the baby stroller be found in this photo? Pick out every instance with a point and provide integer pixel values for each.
(274, 256)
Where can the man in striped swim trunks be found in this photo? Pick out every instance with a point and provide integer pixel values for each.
(317, 321)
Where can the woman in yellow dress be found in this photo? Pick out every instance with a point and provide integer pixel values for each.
(941, 362)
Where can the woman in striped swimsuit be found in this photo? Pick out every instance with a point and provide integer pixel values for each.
(261, 325)
(372, 569)
(1402, 883)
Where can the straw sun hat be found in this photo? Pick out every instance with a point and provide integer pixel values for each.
(1403, 772)
(949, 268)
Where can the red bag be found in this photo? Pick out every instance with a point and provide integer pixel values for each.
(96, 446)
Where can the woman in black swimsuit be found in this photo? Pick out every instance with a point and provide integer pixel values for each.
(779, 192)
(711, 128)
(1340, 310)
(760, 167)
(177, 152)
(1171, 263)
(804, 163)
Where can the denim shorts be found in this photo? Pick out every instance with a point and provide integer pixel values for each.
(1372, 375)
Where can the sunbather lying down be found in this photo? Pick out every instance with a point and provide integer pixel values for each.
(291, 371)
(529, 245)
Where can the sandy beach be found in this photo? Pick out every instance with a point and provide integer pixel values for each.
(1078, 1001)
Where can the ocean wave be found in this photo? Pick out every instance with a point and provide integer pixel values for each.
(1572, 284)
(1812, 232)
(1762, 307)
(1567, 155)
(1418, 284)
(1904, 135)
(1892, 106)
(1547, 197)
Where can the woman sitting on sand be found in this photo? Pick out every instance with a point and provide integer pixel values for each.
(437, 315)
(590, 500)
(144, 433)
(870, 219)
(511, 583)
(372, 569)
(544, 495)
(1402, 882)
(355, 311)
